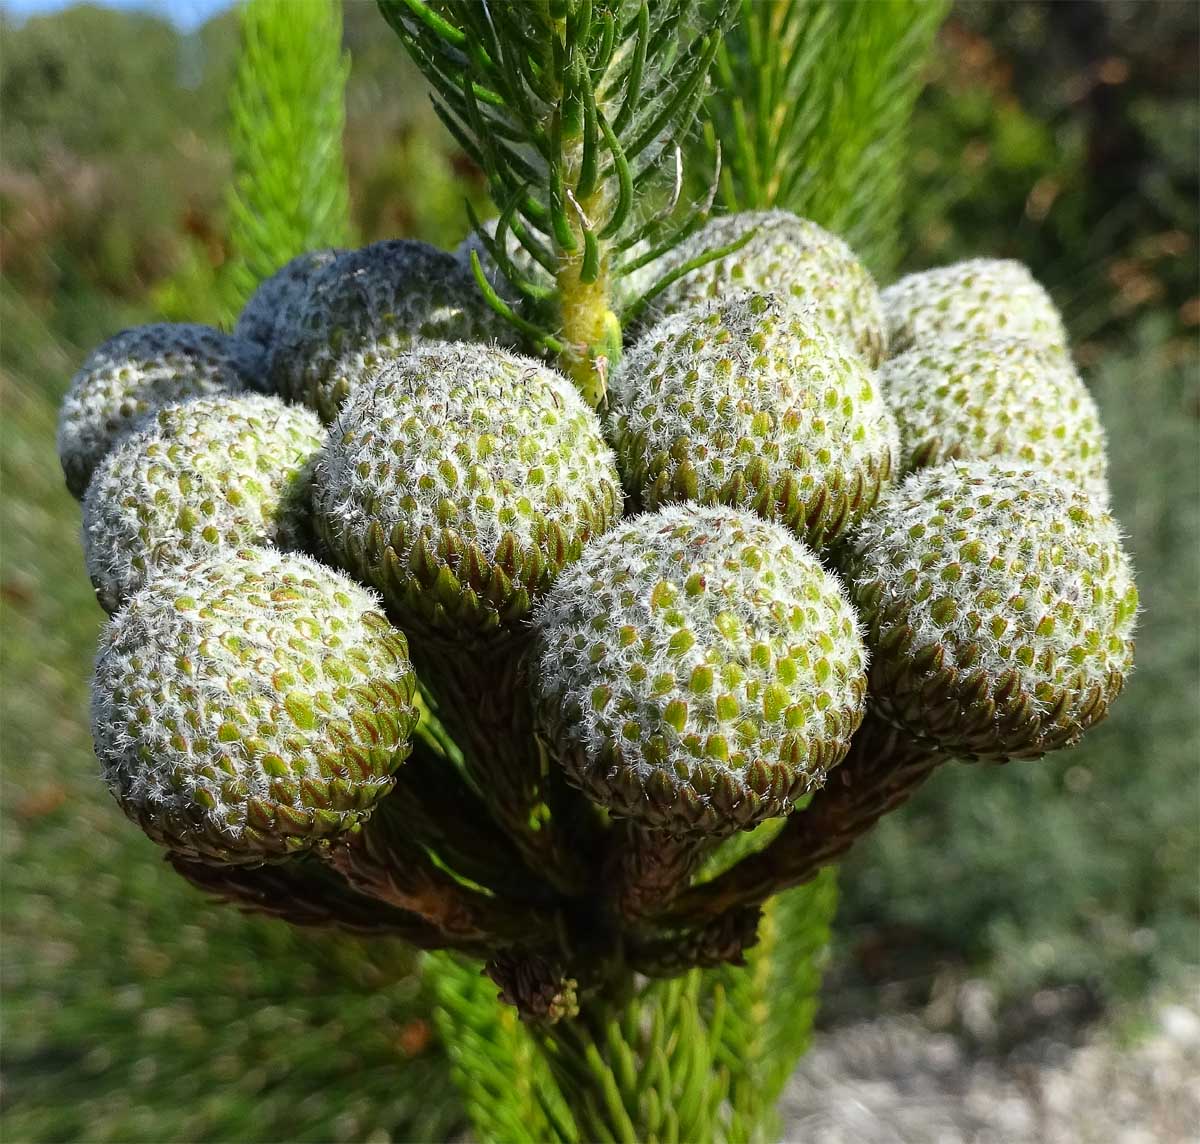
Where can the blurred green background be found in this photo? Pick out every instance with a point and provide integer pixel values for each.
(1063, 134)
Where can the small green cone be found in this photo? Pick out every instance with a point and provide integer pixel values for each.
(366, 307)
(214, 473)
(787, 255)
(132, 374)
(750, 402)
(698, 670)
(459, 482)
(248, 707)
(1000, 609)
(978, 298)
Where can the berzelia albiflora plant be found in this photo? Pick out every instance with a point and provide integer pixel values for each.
(570, 601)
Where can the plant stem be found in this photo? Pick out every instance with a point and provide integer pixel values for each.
(651, 867)
(486, 698)
(590, 328)
(882, 771)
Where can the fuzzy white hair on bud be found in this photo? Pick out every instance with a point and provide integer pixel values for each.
(248, 706)
(978, 298)
(212, 473)
(1000, 608)
(997, 397)
(785, 255)
(459, 482)
(132, 374)
(366, 307)
(752, 402)
(698, 670)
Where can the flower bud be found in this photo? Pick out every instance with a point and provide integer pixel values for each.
(273, 304)
(998, 397)
(1000, 609)
(459, 482)
(698, 670)
(132, 374)
(214, 473)
(789, 256)
(369, 305)
(536, 987)
(979, 298)
(249, 706)
(750, 402)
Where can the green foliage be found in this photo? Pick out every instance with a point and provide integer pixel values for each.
(646, 1069)
(703, 1057)
(811, 103)
(504, 1081)
(575, 113)
(771, 1002)
(289, 192)
(58, 68)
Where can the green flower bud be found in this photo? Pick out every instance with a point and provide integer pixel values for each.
(979, 298)
(132, 374)
(459, 482)
(1000, 608)
(698, 670)
(249, 706)
(275, 301)
(789, 256)
(213, 473)
(369, 305)
(750, 402)
(998, 397)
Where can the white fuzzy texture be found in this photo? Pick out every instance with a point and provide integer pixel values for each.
(273, 302)
(222, 676)
(787, 255)
(693, 628)
(750, 381)
(999, 397)
(978, 298)
(467, 440)
(210, 474)
(366, 307)
(132, 374)
(1026, 570)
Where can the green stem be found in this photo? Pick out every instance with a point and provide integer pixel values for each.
(590, 330)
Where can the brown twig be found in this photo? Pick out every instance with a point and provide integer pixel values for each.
(882, 770)
(488, 696)
(303, 892)
(382, 861)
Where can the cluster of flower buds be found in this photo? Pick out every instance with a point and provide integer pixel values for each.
(409, 638)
